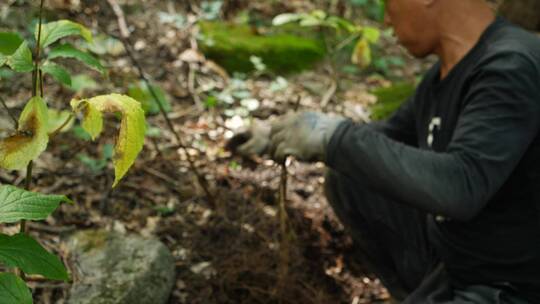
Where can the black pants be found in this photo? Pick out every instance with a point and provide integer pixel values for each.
(391, 239)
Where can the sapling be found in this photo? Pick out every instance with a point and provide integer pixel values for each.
(32, 132)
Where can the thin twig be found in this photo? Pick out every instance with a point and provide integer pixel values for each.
(124, 38)
(37, 76)
(329, 94)
(15, 122)
(59, 129)
(284, 220)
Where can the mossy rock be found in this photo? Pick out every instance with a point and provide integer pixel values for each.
(389, 99)
(232, 45)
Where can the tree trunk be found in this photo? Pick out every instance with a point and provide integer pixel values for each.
(522, 12)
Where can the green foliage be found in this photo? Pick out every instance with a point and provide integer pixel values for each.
(9, 42)
(364, 36)
(57, 72)
(17, 204)
(31, 139)
(142, 94)
(69, 51)
(53, 31)
(13, 290)
(24, 252)
(232, 46)
(389, 99)
(21, 60)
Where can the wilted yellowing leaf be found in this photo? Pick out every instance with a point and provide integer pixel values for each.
(31, 137)
(362, 53)
(132, 128)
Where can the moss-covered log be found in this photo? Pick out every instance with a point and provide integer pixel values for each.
(231, 46)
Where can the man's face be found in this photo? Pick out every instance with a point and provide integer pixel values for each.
(414, 25)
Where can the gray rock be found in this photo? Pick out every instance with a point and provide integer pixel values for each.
(121, 269)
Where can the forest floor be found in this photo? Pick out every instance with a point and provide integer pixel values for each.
(230, 252)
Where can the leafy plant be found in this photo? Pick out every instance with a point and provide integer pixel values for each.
(334, 29)
(15, 53)
(33, 130)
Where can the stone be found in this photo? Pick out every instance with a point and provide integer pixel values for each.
(122, 269)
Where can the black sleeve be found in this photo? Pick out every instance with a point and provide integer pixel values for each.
(400, 126)
(498, 122)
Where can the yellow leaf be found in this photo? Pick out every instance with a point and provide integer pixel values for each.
(92, 121)
(362, 53)
(31, 137)
(132, 127)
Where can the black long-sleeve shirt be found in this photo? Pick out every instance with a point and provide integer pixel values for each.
(466, 150)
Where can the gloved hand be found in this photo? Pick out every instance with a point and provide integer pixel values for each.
(303, 135)
(252, 141)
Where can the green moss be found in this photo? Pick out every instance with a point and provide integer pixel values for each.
(389, 99)
(231, 46)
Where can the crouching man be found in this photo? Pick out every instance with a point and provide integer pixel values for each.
(443, 198)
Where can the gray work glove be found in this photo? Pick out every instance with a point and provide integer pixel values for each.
(303, 135)
(252, 141)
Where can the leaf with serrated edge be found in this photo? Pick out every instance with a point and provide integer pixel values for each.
(31, 138)
(13, 290)
(21, 60)
(52, 31)
(24, 252)
(68, 51)
(57, 72)
(17, 204)
(132, 128)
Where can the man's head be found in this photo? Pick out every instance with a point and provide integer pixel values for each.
(421, 25)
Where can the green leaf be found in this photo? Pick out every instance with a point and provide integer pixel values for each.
(371, 34)
(141, 93)
(17, 204)
(52, 31)
(24, 252)
(68, 51)
(9, 42)
(31, 138)
(57, 118)
(13, 290)
(57, 72)
(132, 128)
(3, 60)
(21, 60)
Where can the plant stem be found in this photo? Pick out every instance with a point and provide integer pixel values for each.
(59, 129)
(37, 76)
